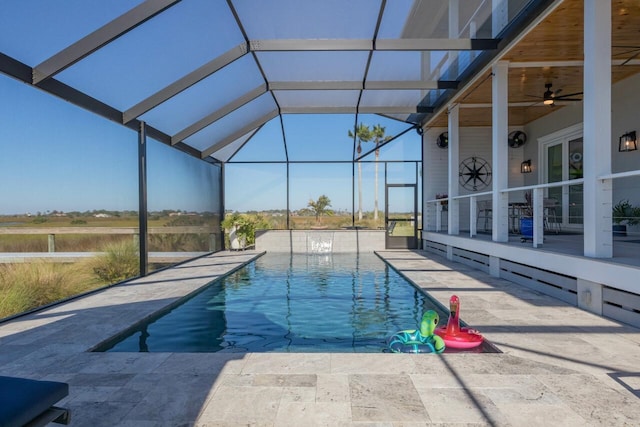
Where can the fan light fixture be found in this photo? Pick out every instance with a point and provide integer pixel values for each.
(548, 95)
(525, 167)
(628, 142)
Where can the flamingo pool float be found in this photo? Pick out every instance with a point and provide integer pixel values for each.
(455, 336)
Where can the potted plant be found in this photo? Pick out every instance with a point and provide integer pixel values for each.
(241, 229)
(623, 214)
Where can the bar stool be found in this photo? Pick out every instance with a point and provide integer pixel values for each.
(550, 219)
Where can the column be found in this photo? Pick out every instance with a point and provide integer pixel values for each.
(453, 216)
(142, 198)
(499, 153)
(598, 240)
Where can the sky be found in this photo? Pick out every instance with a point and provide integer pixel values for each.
(56, 156)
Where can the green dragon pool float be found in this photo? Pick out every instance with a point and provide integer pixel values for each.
(423, 340)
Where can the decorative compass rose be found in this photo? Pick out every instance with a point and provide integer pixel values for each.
(475, 173)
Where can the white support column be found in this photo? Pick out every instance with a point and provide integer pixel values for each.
(429, 222)
(538, 217)
(453, 218)
(499, 153)
(499, 16)
(473, 214)
(598, 240)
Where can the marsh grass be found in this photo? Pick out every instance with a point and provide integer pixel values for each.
(30, 285)
(25, 286)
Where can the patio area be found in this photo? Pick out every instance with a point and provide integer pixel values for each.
(560, 365)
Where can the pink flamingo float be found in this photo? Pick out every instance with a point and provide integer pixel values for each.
(455, 336)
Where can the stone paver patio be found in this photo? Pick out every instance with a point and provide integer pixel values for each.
(560, 365)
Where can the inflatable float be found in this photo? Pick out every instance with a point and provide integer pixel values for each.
(455, 336)
(418, 341)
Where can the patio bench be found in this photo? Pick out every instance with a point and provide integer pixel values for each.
(26, 402)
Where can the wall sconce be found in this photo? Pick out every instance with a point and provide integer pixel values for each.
(525, 167)
(628, 142)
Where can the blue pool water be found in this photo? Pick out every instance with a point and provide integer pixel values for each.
(282, 303)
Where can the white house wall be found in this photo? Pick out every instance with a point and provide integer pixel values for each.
(474, 141)
(625, 118)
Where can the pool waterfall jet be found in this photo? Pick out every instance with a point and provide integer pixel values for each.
(320, 242)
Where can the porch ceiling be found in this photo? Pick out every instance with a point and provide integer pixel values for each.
(551, 53)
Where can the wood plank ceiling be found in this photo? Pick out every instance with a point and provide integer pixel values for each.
(544, 56)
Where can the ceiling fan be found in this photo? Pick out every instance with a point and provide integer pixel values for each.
(549, 97)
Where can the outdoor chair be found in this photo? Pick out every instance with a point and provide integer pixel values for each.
(485, 211)
(26, 402)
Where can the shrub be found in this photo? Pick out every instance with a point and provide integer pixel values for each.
(119, 261)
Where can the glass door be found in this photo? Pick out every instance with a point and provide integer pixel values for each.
(563, 162)
(401, 216)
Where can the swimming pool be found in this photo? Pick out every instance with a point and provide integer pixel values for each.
(283, 303)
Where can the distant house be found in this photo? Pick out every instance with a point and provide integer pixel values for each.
(102, 215)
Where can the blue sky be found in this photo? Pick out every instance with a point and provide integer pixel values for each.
(56, 156)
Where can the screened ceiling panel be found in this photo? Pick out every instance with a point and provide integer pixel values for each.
(391, 98)
(391, 127)
(232, 123)
(157, 52)
(206, 96)
(207, 74)
(33, 30)
(226, 152)
(317, 98)
(389, 65)
(308, 19)
(267, 145)
(402, 117)
(311, 139)
(313, 66)
(430, 19)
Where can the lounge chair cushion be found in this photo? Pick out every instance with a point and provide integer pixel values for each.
(22, 400)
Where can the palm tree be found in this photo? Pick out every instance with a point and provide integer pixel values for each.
(363, 134)
(319, 207)
(378, 136)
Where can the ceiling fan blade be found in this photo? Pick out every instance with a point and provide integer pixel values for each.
(568, 95)
(532, 96)
(626, 52)
(630, 58)
(568, 99)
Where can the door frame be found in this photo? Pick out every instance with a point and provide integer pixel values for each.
(562, 136)
(401, 242)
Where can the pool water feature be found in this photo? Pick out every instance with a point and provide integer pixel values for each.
(289, 303)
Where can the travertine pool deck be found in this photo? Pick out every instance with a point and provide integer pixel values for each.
(560, 366)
